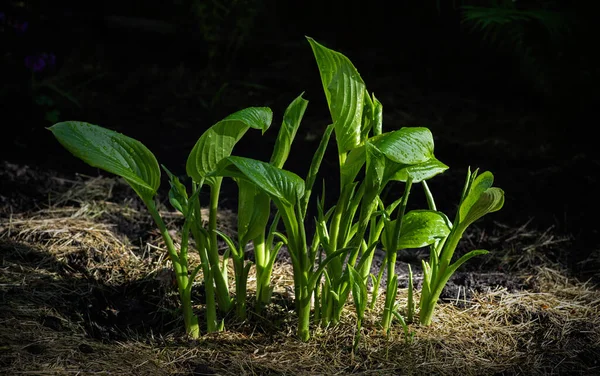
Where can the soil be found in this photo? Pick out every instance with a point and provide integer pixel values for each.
(104, 299)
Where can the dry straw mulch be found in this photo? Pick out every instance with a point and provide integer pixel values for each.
(86, 289)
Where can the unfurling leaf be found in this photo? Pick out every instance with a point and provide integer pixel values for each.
(291, 121)
(178, 196)
(480, 199)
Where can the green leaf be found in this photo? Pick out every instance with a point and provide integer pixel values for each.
(466, 257)
(253, 211)
(178, 196)
(375, 161)
(373, 181)
(238, 254)
(419, 229)
(218, 141)
(407, 146)
(344, 90)
(291, 121)
(368, 117)
(354, 163)
(378, 117)
(281, 185)
(359, 292)
(419, 172)
(314, 167)
(113, 152)
(480, 199)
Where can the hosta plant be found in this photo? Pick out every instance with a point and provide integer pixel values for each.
(335, 261)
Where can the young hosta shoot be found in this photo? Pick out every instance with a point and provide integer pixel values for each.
(478, 199)
(418, 228)
(131, 160)
(212, 147)
(359, 294)
(253, 216)
(286, 190)
(385, 157)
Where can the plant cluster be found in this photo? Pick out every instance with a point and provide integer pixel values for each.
(334, 262)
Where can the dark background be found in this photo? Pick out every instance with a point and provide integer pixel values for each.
(508, 87)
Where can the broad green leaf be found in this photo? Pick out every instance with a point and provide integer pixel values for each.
(344, 90)
(419, 229)
(218, 141)
(480, 199)
(113, 152)
(406, 146)
(418, 172)
(291, 121)
(253, 211)
(281, 185)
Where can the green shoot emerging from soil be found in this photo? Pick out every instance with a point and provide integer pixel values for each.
(336, 261)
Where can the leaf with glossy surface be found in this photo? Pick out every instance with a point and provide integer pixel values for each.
(113, 152)
(406, 146)
(419, 229)
(218, 141)
(344, 90)
(418, 172)
(279, 184)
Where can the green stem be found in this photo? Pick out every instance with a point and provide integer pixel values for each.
(335, 268)
(211, 308)
(181, 273)
(297, 247)
(304, 314)
(440, 276)
(389, 298)
(263, 272)
(391, 256)
(240, 288)
(220, 276)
